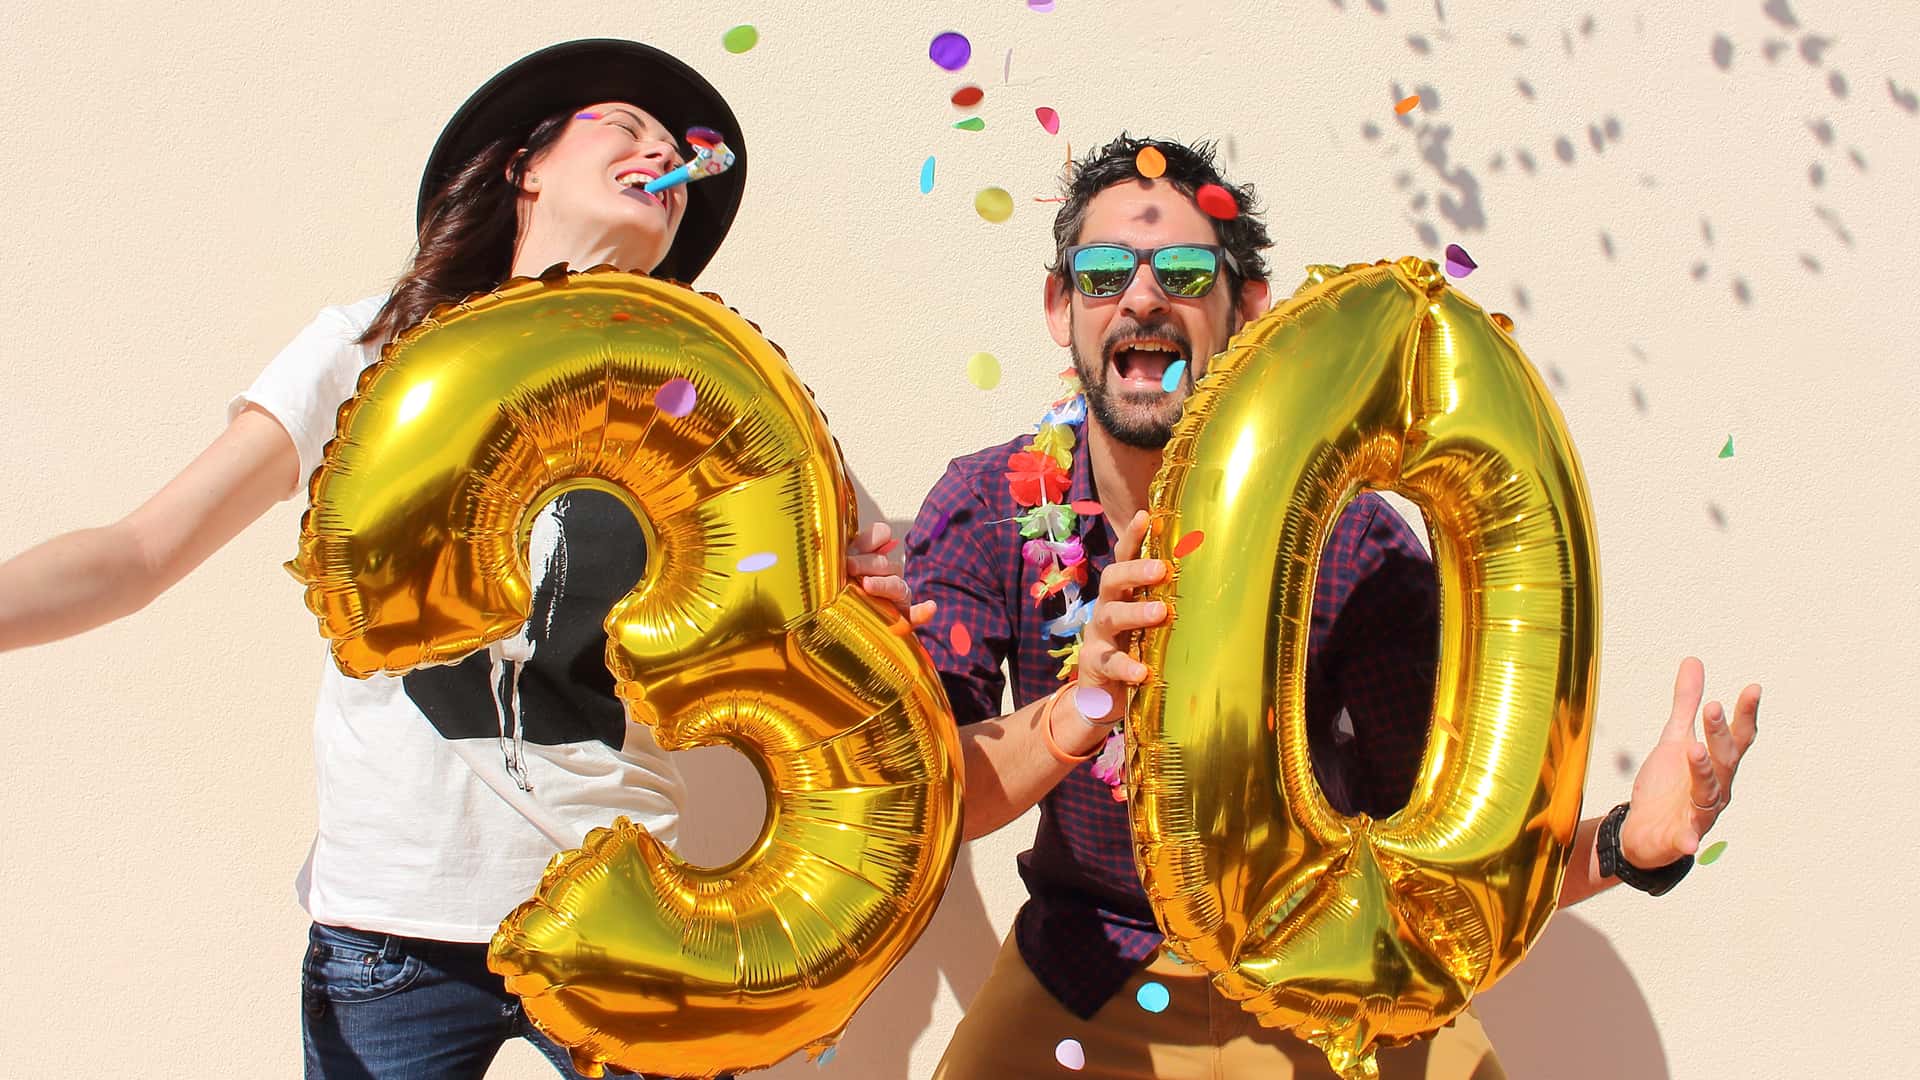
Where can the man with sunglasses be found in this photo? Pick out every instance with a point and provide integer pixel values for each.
(1015, 543)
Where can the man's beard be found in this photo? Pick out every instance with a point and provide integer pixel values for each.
(1148, 423)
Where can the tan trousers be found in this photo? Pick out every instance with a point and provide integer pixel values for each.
(1013, 1025)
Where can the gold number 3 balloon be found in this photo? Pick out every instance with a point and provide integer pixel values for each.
(1354, 933)
(743, 630)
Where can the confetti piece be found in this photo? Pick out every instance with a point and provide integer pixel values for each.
(740, 39)
(968, 96)
(983, 370)
(1188, 544)
(1070, 1055)
(620, 316)
(1503, 321)
(1153, 997)
(1713, 853)
(950, 51)
(1006, 70)
(1042, 6)
(826, 1056)
(1171, 380)
(926, 176)
(1727, 450)
(1087, 508)
(887, 548)
(1049, 119)
(1172, 959)
(994, 204)
(1459, 263)
(756, 562)
(962, 639)
(972, 123)
(1407, 104)
(586, 116)
(1093, 702)
(938, 525)
(1151, 162)
(675, 397)
(1446, 725)
(1217, 202)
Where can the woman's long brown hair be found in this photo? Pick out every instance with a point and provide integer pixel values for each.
(467, 233)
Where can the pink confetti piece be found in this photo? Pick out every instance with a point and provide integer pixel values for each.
(676, 397)
(756, 562)
(1070, 1055)
(1093, 702)
(1041, 6)
(1087, 508)
(1049, 119)
(950, 50)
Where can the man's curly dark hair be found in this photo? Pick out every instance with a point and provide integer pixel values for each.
(1189, 168)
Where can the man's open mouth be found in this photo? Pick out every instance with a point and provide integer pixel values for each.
(1142, 362)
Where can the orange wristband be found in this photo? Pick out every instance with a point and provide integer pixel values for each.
(1046, 731)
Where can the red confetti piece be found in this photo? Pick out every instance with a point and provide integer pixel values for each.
(1217, 202)
(1086, 508)
(1188, 544)
(887, 547)
(968, 96)
(620, 316)
(1048, 119)
(962, 639)
(1407, 104)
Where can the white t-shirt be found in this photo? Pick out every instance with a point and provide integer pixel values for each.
(444, 792)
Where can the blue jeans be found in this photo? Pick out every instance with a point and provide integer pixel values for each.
(383, 1007)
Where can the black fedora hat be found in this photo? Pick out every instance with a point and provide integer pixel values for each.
(579, 73)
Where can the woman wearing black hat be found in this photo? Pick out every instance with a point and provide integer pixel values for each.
(443, 793)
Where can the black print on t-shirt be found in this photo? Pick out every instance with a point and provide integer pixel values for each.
(564, 693)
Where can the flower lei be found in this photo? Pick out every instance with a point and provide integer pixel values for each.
(1040, 475)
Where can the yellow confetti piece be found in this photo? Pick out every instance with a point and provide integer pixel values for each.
(993, 204)
(983, 370)
(1151, 163)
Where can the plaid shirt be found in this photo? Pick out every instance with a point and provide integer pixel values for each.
(1087, 926)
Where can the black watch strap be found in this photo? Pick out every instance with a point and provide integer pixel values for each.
(1614, 864)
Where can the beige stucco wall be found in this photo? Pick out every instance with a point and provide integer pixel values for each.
(185, 184)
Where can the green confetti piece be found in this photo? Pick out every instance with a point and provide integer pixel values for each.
(1727, 450)
(972, 123)
(1713, 853)
(740, 39)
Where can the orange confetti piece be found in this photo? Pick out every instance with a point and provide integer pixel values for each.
(1151, 163)
(1086, 508)
(1407, 104)
(962, 639)
(1188, 544)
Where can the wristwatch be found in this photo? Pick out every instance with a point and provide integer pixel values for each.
(1614, 864)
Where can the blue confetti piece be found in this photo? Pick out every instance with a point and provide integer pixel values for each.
(1153, 997)
(1171, 380)
(926, 176)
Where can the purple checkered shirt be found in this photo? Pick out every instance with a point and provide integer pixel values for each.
(1086, 926)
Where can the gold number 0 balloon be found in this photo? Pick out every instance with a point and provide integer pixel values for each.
(1354, 933)
(414, 552)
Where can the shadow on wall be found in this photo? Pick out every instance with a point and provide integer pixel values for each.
(1573, 1011)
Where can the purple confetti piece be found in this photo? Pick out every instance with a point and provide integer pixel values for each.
(1459, 263)
(950, 50)
(756, 562)
(938, 525)
(675, 397)
(1093, 702)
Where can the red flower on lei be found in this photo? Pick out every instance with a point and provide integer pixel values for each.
(1036, 478)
